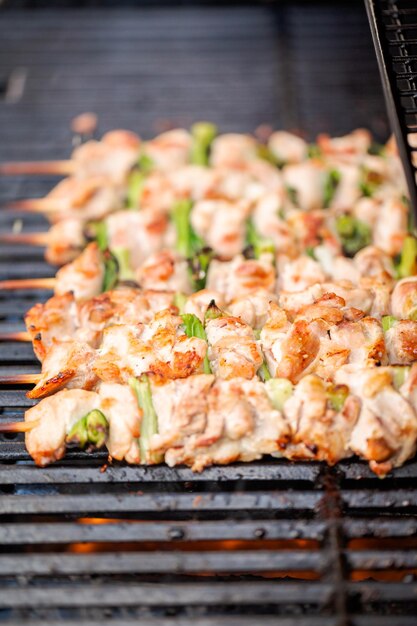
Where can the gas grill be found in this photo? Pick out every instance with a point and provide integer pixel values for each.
(273, 542)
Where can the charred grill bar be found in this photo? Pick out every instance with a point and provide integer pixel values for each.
(264, 543)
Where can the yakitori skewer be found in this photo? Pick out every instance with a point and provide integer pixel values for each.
(58, 168)
(19, 379)
(32, 239)
(21, 336)
(27, 283)
(18, 427)
(37, 205)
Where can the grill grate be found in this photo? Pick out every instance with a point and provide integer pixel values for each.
(266, 543)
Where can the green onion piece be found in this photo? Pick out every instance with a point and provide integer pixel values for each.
(354, 234)
(122, 256)
(376, 149)
(400, 375)
(199, 265)
(181, 218)
(279, 391)
(266, 154)
(100, 234)
(134, 189)
(111, 271)
(388, 321)
(194, 328)
(264, 373)
(213, 312)
(260, 245)
(336, 396)
(145, 163)
(408, 260)
(330, 185)
(97, 428)
(369, 183)
(180, 300)
(203, 134)
(91, 429)
(310, 252)
(313, 151)
(149, 425)
(292, 194)
(77, 436)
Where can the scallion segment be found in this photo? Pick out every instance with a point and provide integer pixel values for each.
(331, 184)
(279, 391)
(260, 245)
(354, 234)
(111, 271)
(194, 328)
(407, 265)
(122, 256)
(134, 189)
(203, 134)
(149, 425)
(388, 321)
(92, 429)
(336, 396)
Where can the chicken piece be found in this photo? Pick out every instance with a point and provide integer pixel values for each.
(120, 406)
(241, 277)
(347, 191)
(83, 277)
(85, 199)
(158, 193)
(142, 233)
(120, 306)
(252, 309)
(289, 349)
(66, 364)
(193, 181)
(241, 184)
(65, 241)
(354, 297)
(268, 223)
(198, 303)
(222, 225)
(401, 343)
(112, 157)
(267, 178)
(355, 144)
(371, 262)
(160, 348)
(287, 148)
(170, 150)
(233, 351)
(181, 406)
(55, 416)
(312, 228)
(318, 431)
(233, 150)
(56, 318)
(164, 271)
(365, 340)
(240, 425)
(391, 229)
(306, 181)
(404, 299)
(299, 274)
(386, 431)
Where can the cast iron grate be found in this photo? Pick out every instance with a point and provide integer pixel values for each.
(265, 543)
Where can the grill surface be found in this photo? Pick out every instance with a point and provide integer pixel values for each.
(265, 543)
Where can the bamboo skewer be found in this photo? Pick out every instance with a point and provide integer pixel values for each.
(38, 205)
(27, 283)
(63, 168)
(18, 427)
(20, 379)
(22, 336)
(32, 239)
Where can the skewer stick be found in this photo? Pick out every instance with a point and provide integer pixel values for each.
(18, 336)
(20, 379)
(38, 205)
(32, 239)
(27, 283)
(38, 167)
(18, 427)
